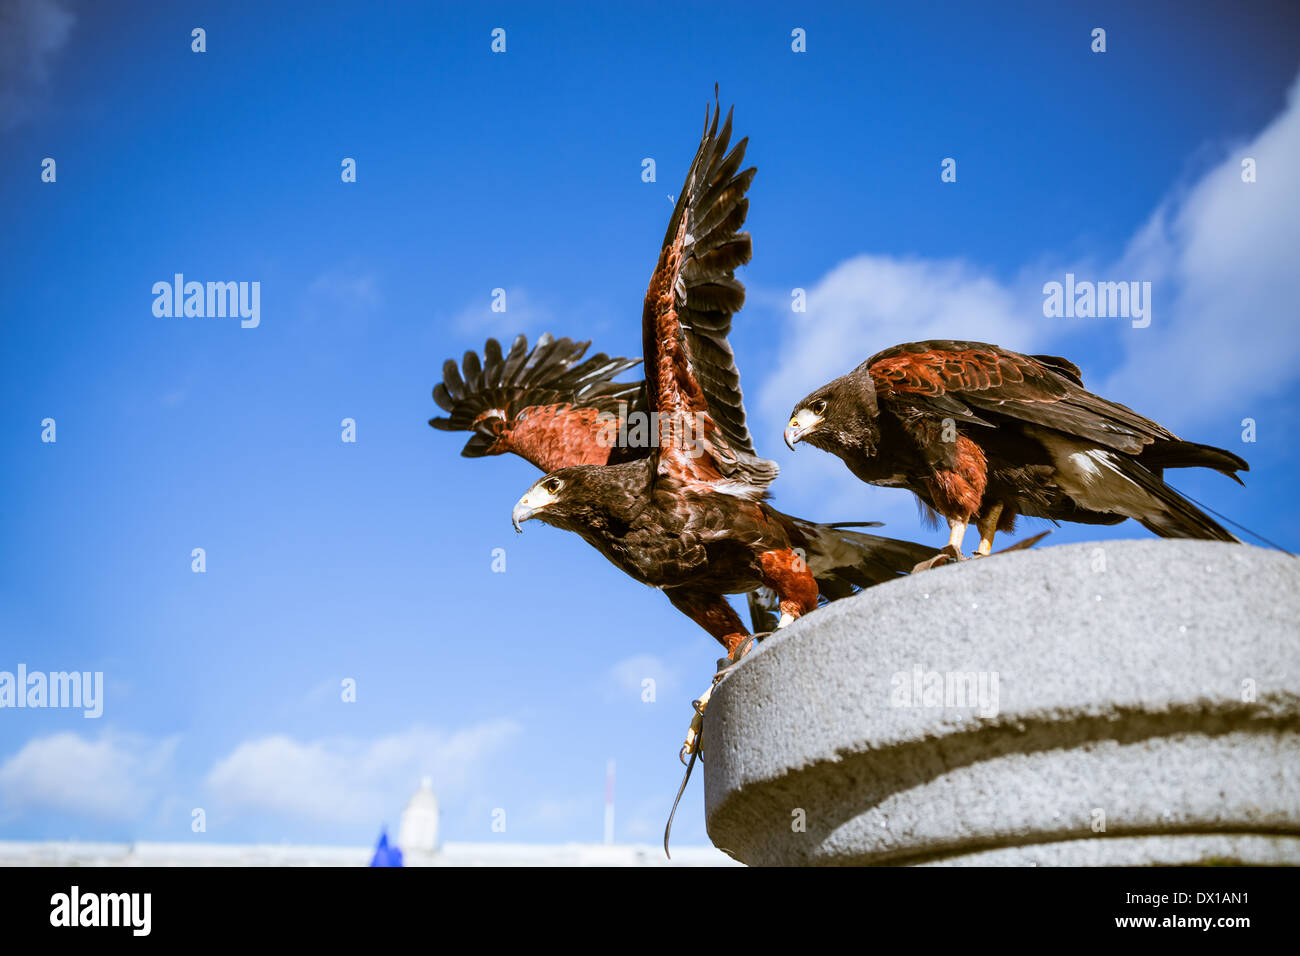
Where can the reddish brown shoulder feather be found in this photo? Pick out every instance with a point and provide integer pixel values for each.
(934, 368)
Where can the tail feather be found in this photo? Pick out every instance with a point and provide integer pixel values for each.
(1186, 454)
(1180, 518)
(845, 561)
(764, 610)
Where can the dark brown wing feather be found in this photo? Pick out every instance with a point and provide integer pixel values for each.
(973, 382)
(544, 405)
(691, 372)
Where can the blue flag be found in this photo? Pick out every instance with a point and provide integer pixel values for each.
(386, 855)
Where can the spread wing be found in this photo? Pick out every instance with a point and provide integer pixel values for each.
(546, 405)
(976, 383)
(691, 376)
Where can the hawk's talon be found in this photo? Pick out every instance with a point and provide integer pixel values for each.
(946, 554)
(743, 648)
(691, 744)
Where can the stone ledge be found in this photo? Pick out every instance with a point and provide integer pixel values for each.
(1150, 687)
(1186, 849)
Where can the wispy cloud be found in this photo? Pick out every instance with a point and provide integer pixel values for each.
(111, 777)
(625, 681)
(563, 813)
(871, 301)
(861, 306)
(349, 780)
(1224, 252)
(522, 313)
(342, 295)
(32, 32)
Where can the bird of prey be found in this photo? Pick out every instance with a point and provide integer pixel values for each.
(983, 434)
(555, 409)
(689, 516)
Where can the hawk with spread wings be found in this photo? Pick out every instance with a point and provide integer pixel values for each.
(556, 409)
(688, 514)
(983, 434)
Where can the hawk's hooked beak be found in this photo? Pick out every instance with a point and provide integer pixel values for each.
(521, 513)
(801, 424)
(534, 501)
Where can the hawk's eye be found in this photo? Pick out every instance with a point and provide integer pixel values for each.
(552, 486)
(818, 407)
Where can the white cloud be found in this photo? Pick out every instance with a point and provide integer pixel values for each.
(344, 296)
(871, 302)
(554, 814)
(623, 681)
(522, 314)
(346, 780)
(31, 34)
(115, 777)
(1224, 255)
(860, 307)
(1221, 257)
(359, 289)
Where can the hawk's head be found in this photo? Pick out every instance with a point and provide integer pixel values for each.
(840, 417)
(582, 498)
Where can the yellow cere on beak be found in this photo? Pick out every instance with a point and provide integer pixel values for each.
(532, 502)
(801, 423)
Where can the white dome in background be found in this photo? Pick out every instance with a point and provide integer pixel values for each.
(418, 831)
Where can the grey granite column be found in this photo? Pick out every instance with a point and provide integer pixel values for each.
(1121, 703)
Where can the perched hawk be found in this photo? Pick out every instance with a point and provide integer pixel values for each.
(689, 516)
(980, 433)
(555, 409)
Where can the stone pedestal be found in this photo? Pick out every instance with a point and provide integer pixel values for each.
(1133, 702)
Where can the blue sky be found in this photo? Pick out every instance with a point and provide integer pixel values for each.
(371, 561)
